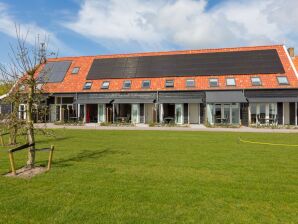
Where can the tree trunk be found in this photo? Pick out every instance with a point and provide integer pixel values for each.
(13, 135)
(30, 127)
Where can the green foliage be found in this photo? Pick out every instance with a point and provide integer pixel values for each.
(156, 177)
(4, 88)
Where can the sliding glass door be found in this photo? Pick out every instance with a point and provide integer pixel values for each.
(179, 113)
(223, 113)
(101, 113)
(135, 113)
(263, 113)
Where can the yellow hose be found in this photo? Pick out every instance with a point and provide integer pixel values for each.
(266, 143)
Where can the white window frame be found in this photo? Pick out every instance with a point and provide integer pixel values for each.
(254, 83)
(190, 80)
(213, 80)
(282, 83)
(230, 79)
(86, 85)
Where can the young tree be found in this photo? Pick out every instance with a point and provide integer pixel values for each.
(25, 61)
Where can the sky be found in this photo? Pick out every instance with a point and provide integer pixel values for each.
(93, 27)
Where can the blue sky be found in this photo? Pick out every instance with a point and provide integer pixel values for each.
(91, 27)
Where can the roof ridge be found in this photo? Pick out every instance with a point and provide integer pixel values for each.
(190, 51)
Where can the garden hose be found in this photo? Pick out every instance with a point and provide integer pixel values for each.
(266, 143)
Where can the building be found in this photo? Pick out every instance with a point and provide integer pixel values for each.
(237, 86)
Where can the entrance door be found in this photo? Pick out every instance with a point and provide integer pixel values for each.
(91, 113)
(135, 113)
(194, 113)
(109, 113)
(53, 112)
(101, 113)
(179, 113)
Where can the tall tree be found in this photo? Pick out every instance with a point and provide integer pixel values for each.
(25, 61)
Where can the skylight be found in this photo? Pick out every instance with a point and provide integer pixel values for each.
(213, 82)
(87, 85)
(105, 85)
(282, 80)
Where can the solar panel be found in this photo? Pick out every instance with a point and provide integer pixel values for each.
(218, 63)
(54, 71)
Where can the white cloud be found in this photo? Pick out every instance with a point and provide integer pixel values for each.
(187, 23)
(30, 30)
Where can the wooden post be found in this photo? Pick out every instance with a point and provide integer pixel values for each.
(1, 139)
(50, 157)
(12, 164)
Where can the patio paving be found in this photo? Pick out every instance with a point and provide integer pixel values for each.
(188, 128)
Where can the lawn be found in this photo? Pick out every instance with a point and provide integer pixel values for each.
(156, 177)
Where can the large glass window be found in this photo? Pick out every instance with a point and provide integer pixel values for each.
(263, 113)
(217, 113)
(223, 113)
(135, 113)
(178, 113)
(101, 112)
(226, 114)
(210, 109)
(272, 113)
(253, 113)
(235, 113)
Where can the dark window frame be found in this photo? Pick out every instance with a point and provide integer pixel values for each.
(75, 70)
(255, 84)
(190, 86)
(282, 84)
(124, 82)
(230, 79)
(146, 87)
(169, 83)
(210, 85)
(87, 87)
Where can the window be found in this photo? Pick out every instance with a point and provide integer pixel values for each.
(105, 85)
(146, 84)
(213, 82)
(126, 84)
(39, 86)
(169, 84)
(230, 82)
(190, 83)
(223, 113)
(256, 81)
(87, 85)
(75, 70)
(282, 80)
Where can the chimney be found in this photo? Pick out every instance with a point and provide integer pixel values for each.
(291, 52)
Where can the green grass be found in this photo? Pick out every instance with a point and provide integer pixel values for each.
(156, 177)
